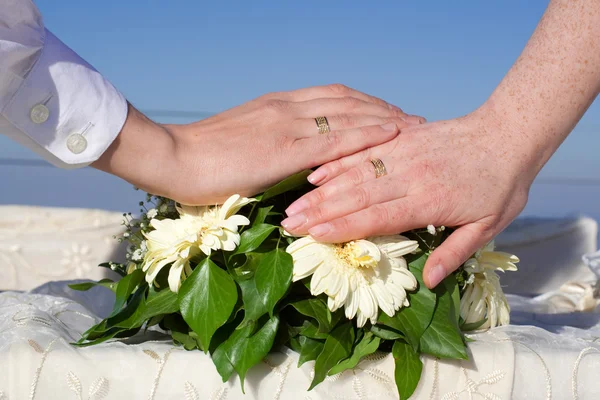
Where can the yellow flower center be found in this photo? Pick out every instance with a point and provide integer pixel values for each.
(355, 256)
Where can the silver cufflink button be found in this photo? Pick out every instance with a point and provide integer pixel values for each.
(76, 143)
(39, 114)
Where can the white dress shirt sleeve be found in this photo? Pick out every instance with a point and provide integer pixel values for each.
(51, 100)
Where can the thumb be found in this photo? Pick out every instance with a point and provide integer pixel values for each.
(453, 252)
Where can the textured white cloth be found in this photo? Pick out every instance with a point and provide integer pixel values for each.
(550, 251)
(51, 100)
(552, 352)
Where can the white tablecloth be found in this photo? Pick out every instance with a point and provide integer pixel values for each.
(552, 353)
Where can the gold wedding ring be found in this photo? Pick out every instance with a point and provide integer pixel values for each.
(323, 125)
(379, 168)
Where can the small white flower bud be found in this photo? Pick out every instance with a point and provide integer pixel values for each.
(431, 230)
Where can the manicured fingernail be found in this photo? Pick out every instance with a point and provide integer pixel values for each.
(316, 177)
(292, 223)
(297, 206)
(320, 230)
(436, 275)
(390, 127)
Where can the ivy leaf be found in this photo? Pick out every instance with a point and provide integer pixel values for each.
(254, 237)
(317, 309)
(309, 349)
(293, 182)
(124, 289)
(261, 215)
(244, 350)
(157, 303)
(207, 298)
(451, 286)
(442, 338)
(386, 333)
(273, 277)
(368, 345)
(413, 321)
(187, 341)
(254, 308)
(407, 372)
(338, 346)
(311, 330)
(83, 286)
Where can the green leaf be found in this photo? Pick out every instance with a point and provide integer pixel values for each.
(412, 321)
(254, 308)
(386, 333)
(317, 309)
(293, 182)
(368, 345)
(187, 341)
(408, 369)
(253, 237)
(311, 330)
(157, 303)
(83, 286)
(273, 277)
(337, 348)
(473, 325)
(453, 290)
(125, 287)
(442, 338)
(207, 298)
(244, 351)
(261, 215)
(310, 349)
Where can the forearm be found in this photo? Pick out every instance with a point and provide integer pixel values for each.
(553, 82)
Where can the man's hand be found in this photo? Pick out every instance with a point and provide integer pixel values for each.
(464, 173)
(248, 148)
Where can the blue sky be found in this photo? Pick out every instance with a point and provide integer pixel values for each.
(439, 59)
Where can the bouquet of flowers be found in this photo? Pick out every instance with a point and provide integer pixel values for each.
(228, 281)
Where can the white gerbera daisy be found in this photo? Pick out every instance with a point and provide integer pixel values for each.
(483, 297)
(199, 229)
(363, 275)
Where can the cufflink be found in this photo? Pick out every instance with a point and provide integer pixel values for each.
(39, 114)
(76, 143)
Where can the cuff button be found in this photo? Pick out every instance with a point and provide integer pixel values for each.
(76, 143)
(39, 114)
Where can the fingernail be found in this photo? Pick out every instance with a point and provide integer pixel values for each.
(320, 230)
(436, 275)
(296, 207)
(390, 127)
(292, 223)
(316, 177)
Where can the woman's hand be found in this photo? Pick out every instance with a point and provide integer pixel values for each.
(469, 173)
(248, 148)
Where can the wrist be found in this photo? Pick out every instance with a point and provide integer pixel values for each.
(516, 135)
(139, 153)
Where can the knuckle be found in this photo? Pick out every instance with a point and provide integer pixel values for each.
(345, 121)
(350, 103)
(361, 197)
(317, 196)
(457, 256)
(339, 89)
(355, 176)
(277, 106)
(340, 226)
(333, 140)
(381, 215)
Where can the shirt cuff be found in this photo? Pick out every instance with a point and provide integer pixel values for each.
(67, 107)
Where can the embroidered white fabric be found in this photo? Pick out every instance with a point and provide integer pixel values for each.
(551, 353)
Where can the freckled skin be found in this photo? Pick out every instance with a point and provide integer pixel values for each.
(472, 172)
